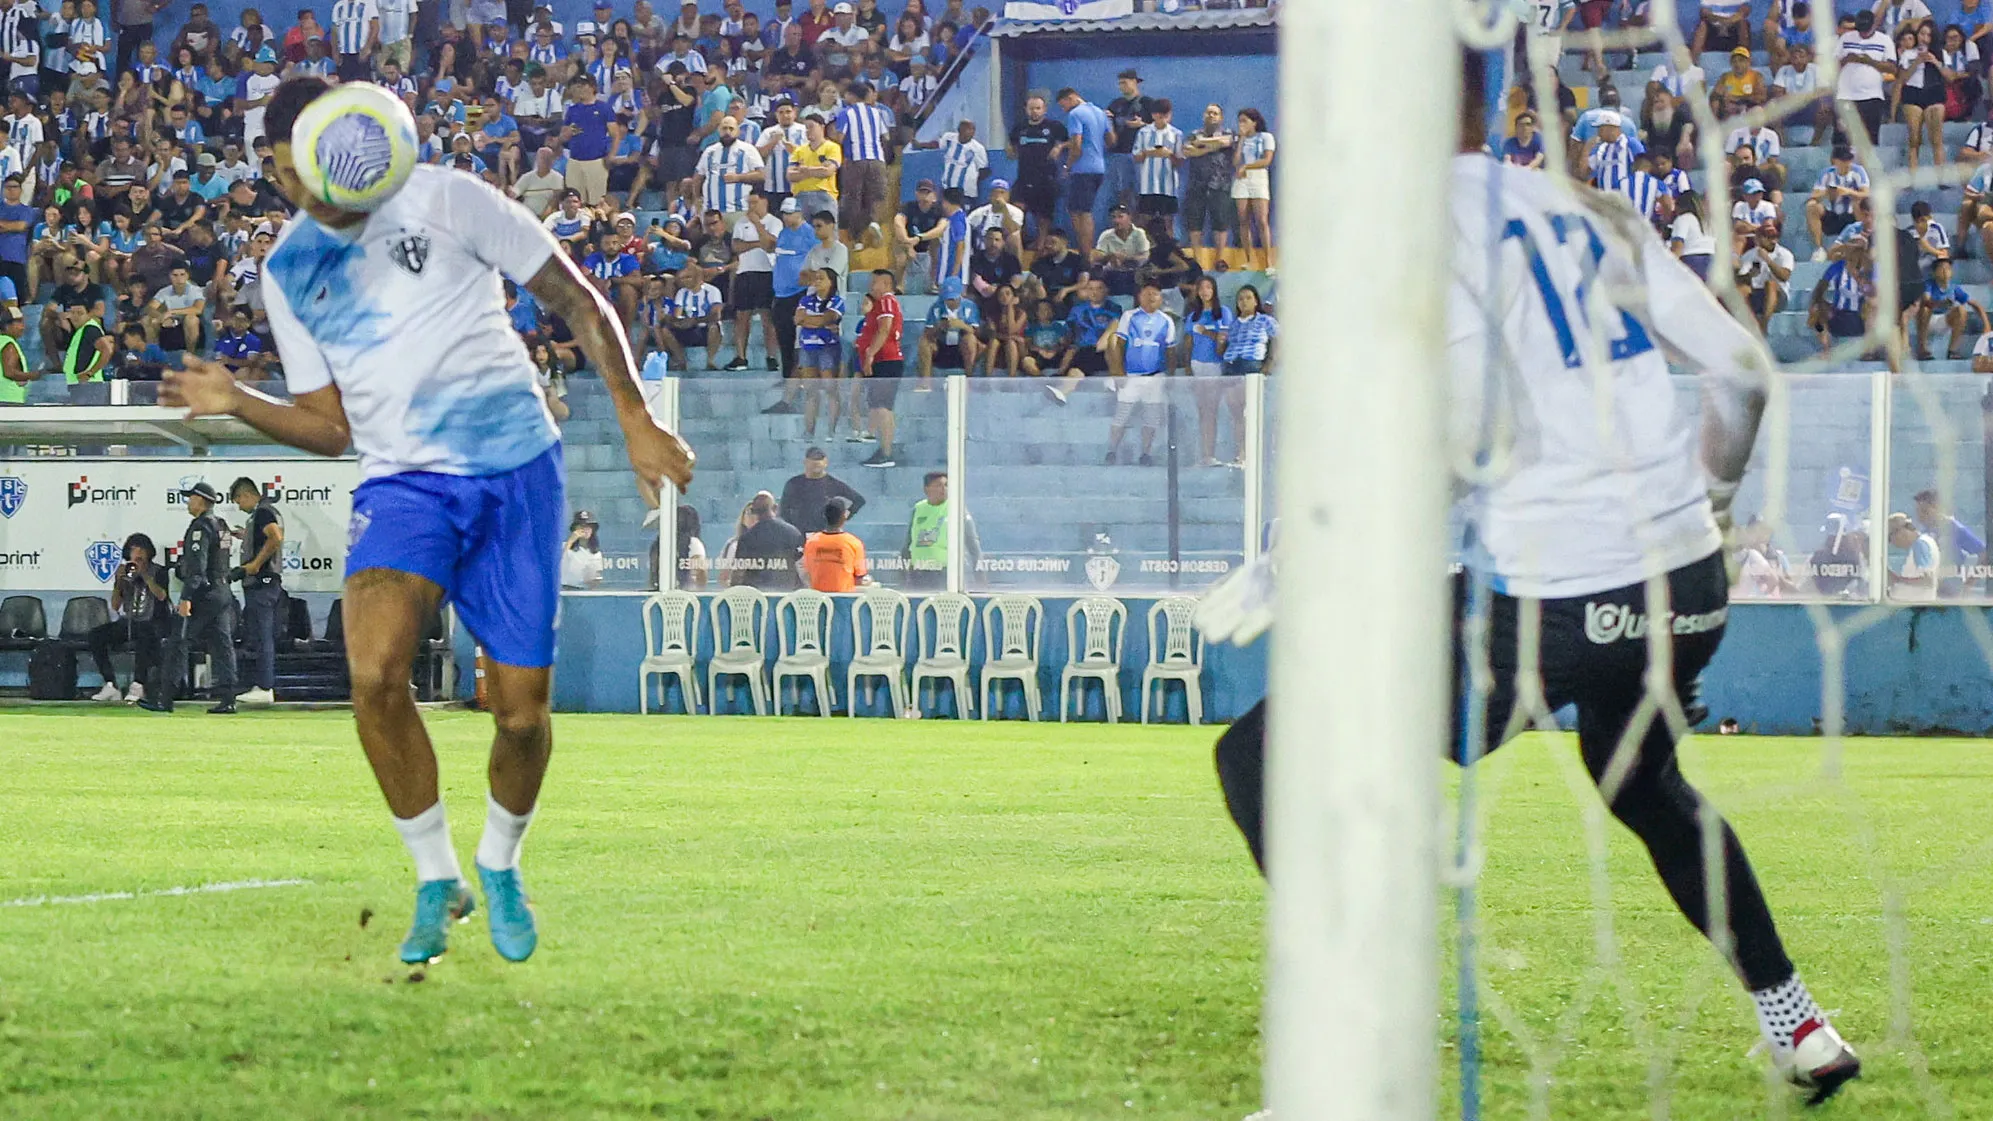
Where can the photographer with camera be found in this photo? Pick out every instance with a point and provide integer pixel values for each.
(139, 600)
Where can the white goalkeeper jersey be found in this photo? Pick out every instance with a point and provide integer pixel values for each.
(405, 313)
(1592, 478)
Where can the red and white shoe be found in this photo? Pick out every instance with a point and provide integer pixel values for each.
(1821, 1062)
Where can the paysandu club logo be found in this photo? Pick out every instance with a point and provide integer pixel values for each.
(13, 492)
(81, 492)
(103, 558)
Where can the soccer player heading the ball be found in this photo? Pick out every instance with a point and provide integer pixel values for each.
(395, 340)
(1594, 500)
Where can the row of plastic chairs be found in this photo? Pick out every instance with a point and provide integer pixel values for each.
(1012, 627)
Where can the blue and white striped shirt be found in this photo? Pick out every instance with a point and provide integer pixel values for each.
(718, 161)
(1254, 148)
(962, 164)
(322, 67)
(546, 54)
(396, 23)
(1249, 337)
(1847, 290)
(955, 235)
(1159, 175)
(866, 129)
(777, 158)
(1855, 180)
(1645, 191)
(695, 303)
(1612, 163)
(814, 304)
(349, 24)
(693, 61)
(1674, 182)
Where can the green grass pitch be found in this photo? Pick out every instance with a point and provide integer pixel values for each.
(852, 920)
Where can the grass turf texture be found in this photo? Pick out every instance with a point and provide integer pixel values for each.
(793, 919)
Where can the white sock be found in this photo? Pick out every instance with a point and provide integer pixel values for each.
(1781, 1010)
(504, 832)
(427, 836)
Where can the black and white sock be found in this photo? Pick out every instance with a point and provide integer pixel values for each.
(1781, 1010)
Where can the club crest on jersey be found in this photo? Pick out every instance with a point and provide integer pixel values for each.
(102, 557)
(411, 253)
(13, 492)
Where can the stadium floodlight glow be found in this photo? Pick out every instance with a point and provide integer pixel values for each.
(1353, 800)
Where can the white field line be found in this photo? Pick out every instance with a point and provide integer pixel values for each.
(109, 896)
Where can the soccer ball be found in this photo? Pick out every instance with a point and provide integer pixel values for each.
(354, 146)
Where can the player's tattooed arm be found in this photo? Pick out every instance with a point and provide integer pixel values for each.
(656, 453)
(314, 421)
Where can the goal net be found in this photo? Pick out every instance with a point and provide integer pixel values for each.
(1392, 991)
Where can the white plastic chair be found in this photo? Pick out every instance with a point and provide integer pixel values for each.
(947, 625)
(802, 625)
(1013, 628)
(1095, 655)
(739, 653)
(671, 630)
(1176, 653)
(879, 621)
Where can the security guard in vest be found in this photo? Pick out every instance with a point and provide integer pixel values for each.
(15, 373)
(926, 550)
(88, 353)
(261, 573)
(207, 610)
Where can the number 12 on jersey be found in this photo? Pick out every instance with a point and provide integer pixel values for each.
(1580, 242)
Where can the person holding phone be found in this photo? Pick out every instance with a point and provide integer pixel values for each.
(139, 602)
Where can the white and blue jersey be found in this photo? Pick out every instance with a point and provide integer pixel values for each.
(1612, 163)
(695, 303)
(955, 239)
(406, 315)
(1645, 191)
(350, 20)
(1855, 180)
(1158, 175)
(604, 267)
(1146, 337)
(962, 164)
(1942, 298)
(1674, 182)
(719, 161)
(813, 304)
(776, 182)
(866, 130)
(1847, 290)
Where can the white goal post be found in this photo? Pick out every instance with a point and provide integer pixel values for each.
(1360, 669)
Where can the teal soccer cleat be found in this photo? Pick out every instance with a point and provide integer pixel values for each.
(511, 919)
(437, 902)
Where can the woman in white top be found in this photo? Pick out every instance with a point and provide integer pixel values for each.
(1959, 63)
(581, 560)
(1252, 184)
(1687, 238)
(1921, 90)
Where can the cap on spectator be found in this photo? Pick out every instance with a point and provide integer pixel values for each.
(626, 216)
(266, 54)
(1608, 117)
(951, 288)
(815, 453)
(11, 314)
(205, 489)
(1131, 75)
(1735, 51)
(583, 517)
(840, 10)
(571, 193)
(1753, 187)
(207, 159)
(999, 184)
(789, 206)
(924, 185)
(1118, 208)
(265, 229)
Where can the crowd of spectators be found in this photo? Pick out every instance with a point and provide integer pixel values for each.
(1897, 63)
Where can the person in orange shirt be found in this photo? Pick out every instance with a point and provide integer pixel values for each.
(834, 559)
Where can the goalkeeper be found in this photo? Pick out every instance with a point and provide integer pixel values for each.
(1598, 516)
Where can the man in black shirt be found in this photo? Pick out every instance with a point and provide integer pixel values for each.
(804, 495)
(72, 290)
(179, 208)
(1057, 273)
(992, 267)
(914, 219)
(665, 137)
(1129, 112)
(139, 591)
(766, 553)
(1035, 145)
(790, 65)
(261, 573)
(206, 607)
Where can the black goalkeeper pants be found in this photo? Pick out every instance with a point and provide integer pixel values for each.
(1593, 654)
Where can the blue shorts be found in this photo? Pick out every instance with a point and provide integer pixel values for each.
(491, 542)
(820, 356)
(1082, 187)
